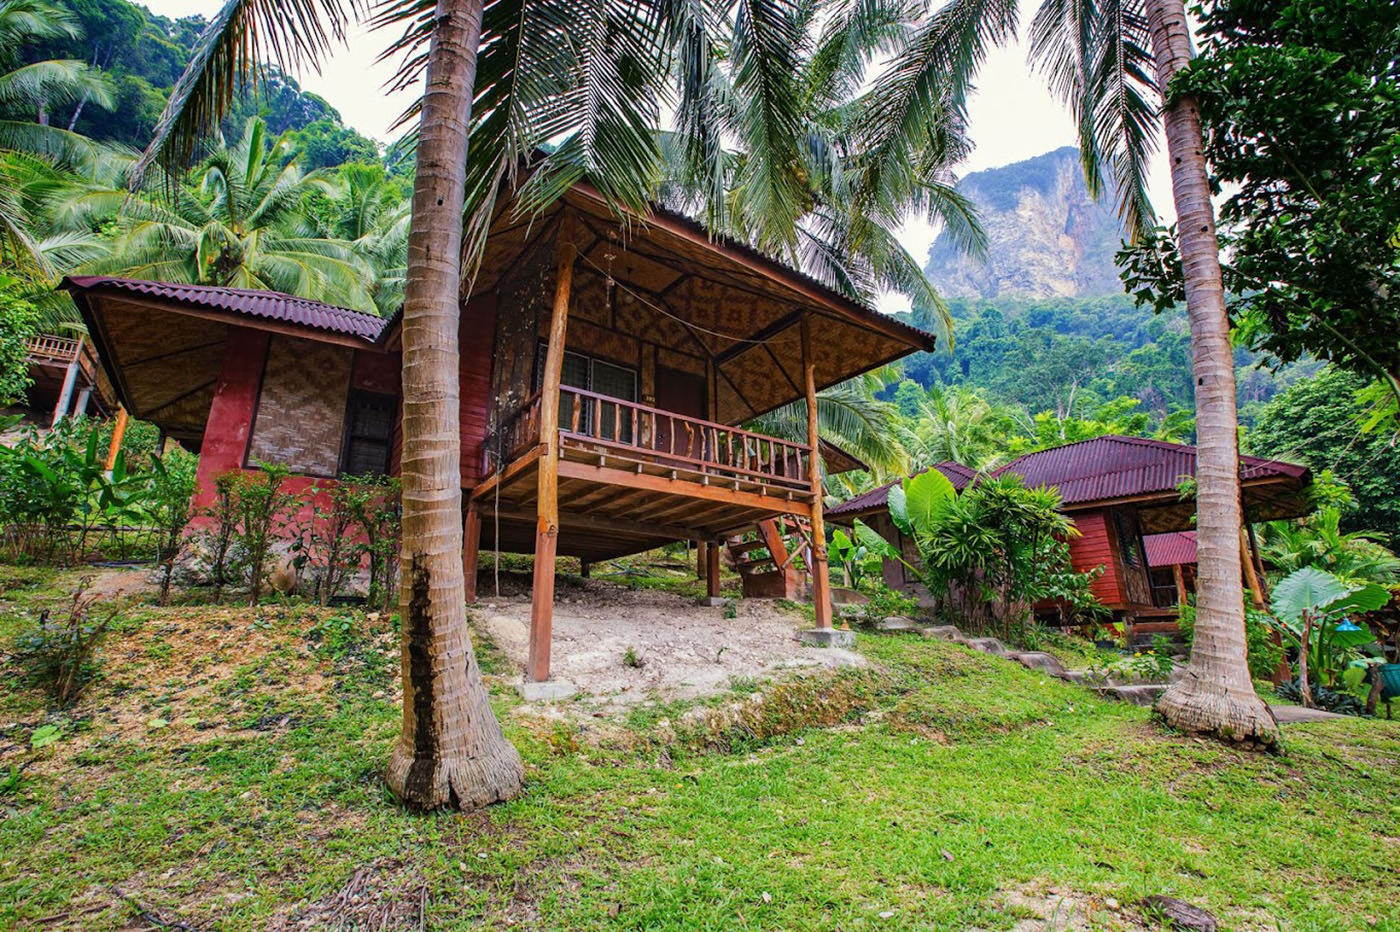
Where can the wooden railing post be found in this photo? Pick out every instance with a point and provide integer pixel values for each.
(118, 432)
(547, 508)
(471, 548)
(821, 583)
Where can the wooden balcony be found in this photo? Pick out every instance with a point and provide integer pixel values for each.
(633, 476)
(47, 348)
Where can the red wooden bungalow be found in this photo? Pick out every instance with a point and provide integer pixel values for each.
(1118, 489)
(605, 368)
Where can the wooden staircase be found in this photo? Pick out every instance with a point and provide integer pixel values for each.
(767, 568)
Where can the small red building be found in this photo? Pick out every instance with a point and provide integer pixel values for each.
(1121, 492)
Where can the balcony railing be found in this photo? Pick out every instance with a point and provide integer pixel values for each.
(50, 348)
(702, 450)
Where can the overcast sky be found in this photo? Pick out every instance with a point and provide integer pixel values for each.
(1011, 115)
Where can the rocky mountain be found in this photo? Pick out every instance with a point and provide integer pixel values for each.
(1046, 236)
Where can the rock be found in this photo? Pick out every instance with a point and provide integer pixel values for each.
(944, 633)
(1137, 695)
(988, 646)
(1039, 660)
(840, 596)
(897, 623)
(1178, 914)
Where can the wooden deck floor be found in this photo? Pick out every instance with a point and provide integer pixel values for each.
(614, 502)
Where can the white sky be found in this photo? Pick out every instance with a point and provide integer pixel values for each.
(1011, 116)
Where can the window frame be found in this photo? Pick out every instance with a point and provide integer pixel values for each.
(355, 398)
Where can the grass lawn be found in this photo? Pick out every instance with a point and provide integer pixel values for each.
(224, 772)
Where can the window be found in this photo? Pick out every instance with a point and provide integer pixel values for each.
(369, 434)
(592, 375)
(1129, 539)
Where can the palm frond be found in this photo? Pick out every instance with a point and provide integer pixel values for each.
(1096, 56)
(291, 33)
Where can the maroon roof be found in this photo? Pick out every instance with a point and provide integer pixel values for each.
(866, 502)
(1116, 467)
(1170, 549)
(268, 305)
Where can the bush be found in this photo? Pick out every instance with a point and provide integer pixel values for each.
(61, 656)
(1265, 653)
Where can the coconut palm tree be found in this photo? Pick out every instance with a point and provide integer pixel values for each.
(591, 77)
(34, 88)
(239, 220)
(957, 423)
(1113, 61)
(369, 211)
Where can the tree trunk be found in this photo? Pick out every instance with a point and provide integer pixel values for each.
(451, 751)
(1216, 695)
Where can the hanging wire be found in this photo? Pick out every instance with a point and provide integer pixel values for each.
(772, 341)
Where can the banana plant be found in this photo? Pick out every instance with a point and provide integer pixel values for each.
(1311, 607)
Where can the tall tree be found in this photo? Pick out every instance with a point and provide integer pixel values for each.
(511, 77)
(1113, 61)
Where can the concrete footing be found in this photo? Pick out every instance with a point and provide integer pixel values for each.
(548, 691)
(711, 601)
(827, 637)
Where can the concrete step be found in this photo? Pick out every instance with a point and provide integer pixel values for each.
(988, 646)
(1039, 660)
(1137, 695)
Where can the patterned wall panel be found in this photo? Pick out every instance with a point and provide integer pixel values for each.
(301, 411)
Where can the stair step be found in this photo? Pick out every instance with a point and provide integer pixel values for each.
(746, 547)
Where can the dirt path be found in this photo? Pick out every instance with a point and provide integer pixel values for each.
(684, 650)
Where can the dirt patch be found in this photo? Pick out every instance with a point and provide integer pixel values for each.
(1040, 907)
(625, 646)
(108, 584)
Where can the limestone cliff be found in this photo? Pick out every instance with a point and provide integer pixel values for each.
(1046, 236)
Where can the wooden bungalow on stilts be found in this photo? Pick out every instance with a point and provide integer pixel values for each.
(607, 365)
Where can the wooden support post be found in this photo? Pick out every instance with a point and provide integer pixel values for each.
(1258, 563)
(471, 550)
(711, 550)
(1180, 578)
(1251, 578)
(821, 583)
(547, 498)
(585, 569)
(70, 379)
(702, 552)
(118, 432)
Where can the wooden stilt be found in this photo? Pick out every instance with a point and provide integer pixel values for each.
(585, 569)
(471, 550)
(1251, 577)
(702, 551)
(821, 583)
(711, 551)
(547, 498)
(65, 394)
(1180, 578)
(118, 432)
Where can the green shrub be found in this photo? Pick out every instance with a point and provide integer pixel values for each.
(61, 656)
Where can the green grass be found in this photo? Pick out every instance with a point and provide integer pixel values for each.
(944, 783)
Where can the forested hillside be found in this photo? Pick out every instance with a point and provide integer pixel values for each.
(1043, 323)
(142, 55)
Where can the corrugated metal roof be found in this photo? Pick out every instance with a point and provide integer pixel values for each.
(1115, 467)
(958, 474)
(1170, 549)
(267, 305)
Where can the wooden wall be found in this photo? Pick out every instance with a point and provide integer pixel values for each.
(1097, 545)
(300, 420)
(478, 342)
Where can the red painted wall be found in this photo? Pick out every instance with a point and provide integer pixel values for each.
(231, 414)
(478, 343)
(1094, 547)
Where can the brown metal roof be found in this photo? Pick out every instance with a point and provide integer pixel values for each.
(875, 500)
(1170, 549)
(266, 305)
(1114, 467)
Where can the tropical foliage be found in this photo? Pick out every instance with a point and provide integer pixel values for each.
(1312, 607)
(988, 554)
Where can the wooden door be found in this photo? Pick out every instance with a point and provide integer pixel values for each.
(681, 393)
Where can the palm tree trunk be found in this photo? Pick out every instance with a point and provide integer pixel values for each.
(451, 751)
(1215, 696)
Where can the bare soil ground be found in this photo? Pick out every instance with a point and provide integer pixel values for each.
(682, 650)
